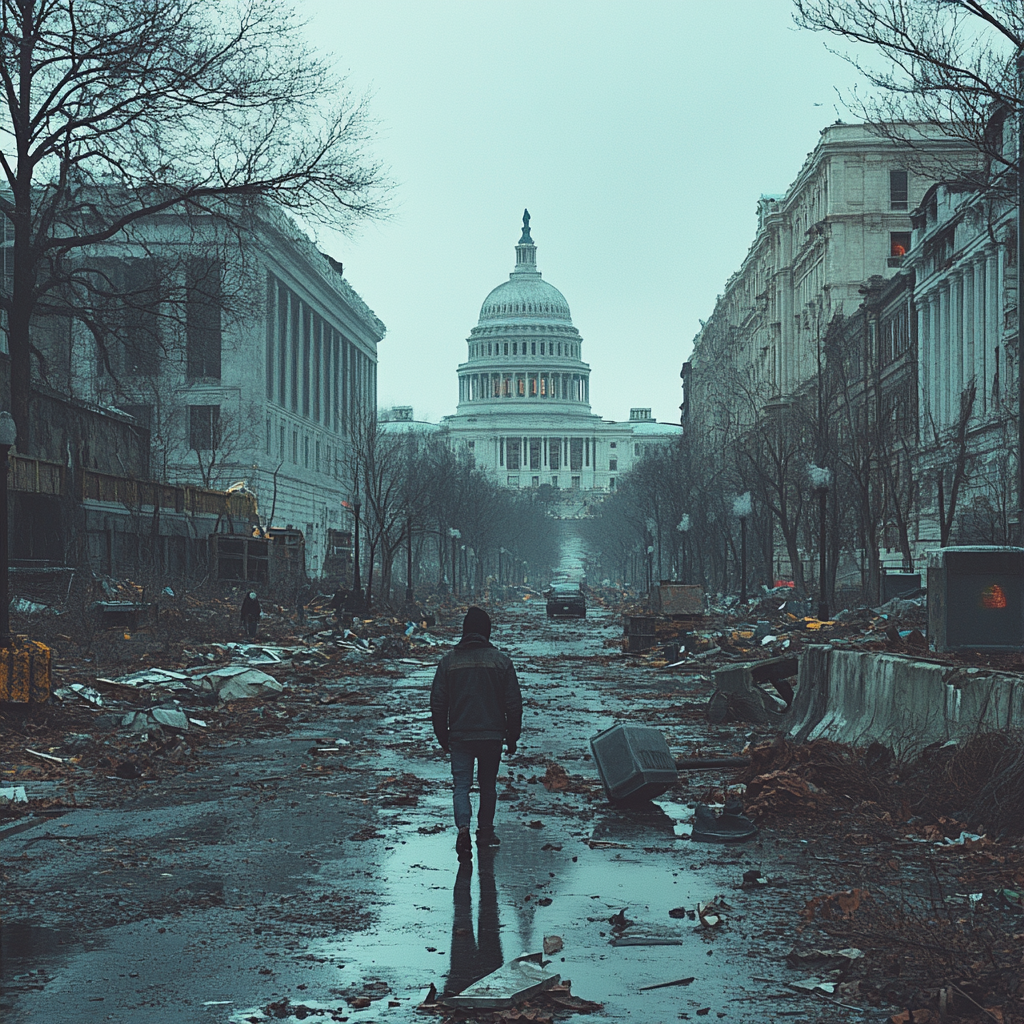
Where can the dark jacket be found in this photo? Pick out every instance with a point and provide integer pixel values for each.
(475, 695)
(250, 608)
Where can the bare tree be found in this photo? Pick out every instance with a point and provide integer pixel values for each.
(949, 480)
(950, 65)
(119, 110)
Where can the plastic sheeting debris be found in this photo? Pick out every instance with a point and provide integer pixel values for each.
(238, 682)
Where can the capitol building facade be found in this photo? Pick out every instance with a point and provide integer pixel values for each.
(524, 413)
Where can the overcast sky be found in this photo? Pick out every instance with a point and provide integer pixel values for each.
(639, 135)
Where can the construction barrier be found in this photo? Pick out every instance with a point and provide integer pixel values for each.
(860, 697)
(25, 671)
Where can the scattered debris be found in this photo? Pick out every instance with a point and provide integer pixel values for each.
(667, 984)
(731, 826)
(513, 983)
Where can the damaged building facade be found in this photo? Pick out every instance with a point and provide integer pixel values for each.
(523, 413)
(233, 359)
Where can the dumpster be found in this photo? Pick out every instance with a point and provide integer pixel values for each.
(896, 584)
(678, 600)
(976, 598)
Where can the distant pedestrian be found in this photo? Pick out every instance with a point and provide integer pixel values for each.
(475, 706)
(339, 603)
(303, 592)
(251, 612)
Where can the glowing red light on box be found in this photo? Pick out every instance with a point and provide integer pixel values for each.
(993, 597)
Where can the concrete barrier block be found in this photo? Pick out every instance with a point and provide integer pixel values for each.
(860, 697)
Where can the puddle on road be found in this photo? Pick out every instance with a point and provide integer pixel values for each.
(22, 943)
(449, 926)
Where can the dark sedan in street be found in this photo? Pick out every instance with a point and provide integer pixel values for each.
(566, 599)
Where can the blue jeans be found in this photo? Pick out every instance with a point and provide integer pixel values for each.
(487, 755)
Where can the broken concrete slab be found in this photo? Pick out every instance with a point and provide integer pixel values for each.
(509, 985)
(173, 718)
(739, 697)
(12, 795)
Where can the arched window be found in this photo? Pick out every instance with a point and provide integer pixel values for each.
(514, 346)
(542, 348)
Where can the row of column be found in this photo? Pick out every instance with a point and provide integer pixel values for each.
(571, 387)
(550, 453)
(312, 370)
(959, 338)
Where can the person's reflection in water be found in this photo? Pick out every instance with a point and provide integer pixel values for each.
(474, 957)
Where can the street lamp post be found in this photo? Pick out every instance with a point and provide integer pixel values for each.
(820, 480)
(742, 508)
(684, 529)
(408, 562)
(501, 551)
(356, 506)
(8, 435)
(455, 535)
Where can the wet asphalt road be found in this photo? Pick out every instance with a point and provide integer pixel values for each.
(272, 874)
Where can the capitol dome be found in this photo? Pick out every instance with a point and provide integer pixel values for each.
(525, 346)
(525, 295)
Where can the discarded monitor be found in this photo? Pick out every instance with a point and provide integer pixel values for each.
(976, 598)
(634, 762)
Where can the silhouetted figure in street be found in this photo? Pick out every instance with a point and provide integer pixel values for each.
(475, 706)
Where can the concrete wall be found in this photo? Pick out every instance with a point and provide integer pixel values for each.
(861, 696)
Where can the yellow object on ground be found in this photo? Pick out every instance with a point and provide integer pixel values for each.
(25, 671)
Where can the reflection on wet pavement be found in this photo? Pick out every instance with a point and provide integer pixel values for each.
(473, 956)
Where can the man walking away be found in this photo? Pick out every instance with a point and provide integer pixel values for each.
(251, 612)
(475, 705)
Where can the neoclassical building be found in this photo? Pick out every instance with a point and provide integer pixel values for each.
(524, 393)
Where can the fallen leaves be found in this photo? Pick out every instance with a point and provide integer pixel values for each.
(842, 904)
(783, 793)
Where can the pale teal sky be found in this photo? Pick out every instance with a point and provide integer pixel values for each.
(639, 134)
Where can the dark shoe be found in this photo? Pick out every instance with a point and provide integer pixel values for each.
(487, 837)
(730, 827)
(464, 845)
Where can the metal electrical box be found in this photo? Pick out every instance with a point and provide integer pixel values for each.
(976, 598)
(634, 762)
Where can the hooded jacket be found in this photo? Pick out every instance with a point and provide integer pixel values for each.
(475, 694)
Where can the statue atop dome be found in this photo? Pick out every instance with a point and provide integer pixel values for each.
(526, 239)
